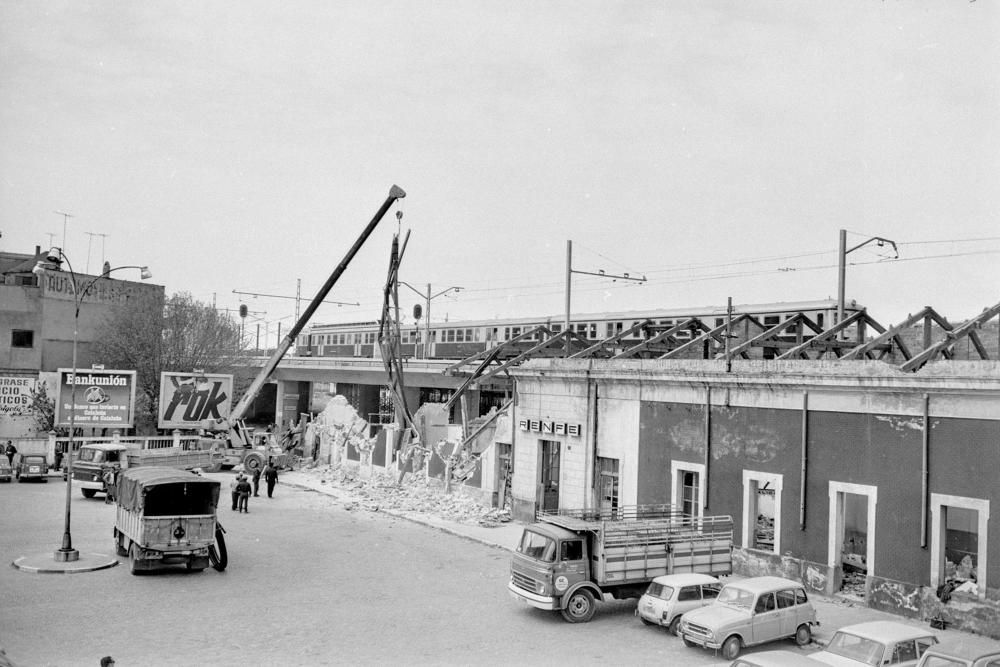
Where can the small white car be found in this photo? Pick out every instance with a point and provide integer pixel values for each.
(965, 652)
(876, 643)
(669, 596)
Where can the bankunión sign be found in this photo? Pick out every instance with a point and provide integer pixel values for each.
(104, 399)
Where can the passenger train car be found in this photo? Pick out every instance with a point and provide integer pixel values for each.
(462, 339)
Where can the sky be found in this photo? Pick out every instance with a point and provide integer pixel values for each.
(715, 148)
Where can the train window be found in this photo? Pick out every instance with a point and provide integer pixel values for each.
(515, 331)
(476, 334)
(819, 320)
(556, 328)
(771, 320)
(459, 335)
(719, 321)
(468, 335)
(449, 336)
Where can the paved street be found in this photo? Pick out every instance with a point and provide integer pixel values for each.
(309, 583)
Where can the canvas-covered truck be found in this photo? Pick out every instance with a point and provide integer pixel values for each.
(568, 560)
(96, 459)
(167, 516)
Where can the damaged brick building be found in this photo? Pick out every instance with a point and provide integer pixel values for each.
(835, 472)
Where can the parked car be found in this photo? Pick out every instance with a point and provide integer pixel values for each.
(751, 612)
(32, 466)
(876, 643)
(6, 473)
(966, 652)
(781, 658)
(670, 596)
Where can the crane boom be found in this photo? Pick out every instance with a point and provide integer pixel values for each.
(237, 413)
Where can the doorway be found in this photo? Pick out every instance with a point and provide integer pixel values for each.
(607, 486)
(851, 546)
(549, 475)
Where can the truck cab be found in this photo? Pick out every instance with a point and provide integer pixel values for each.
(91, 462)
(549, 566)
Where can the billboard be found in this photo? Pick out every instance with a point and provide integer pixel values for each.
(104, 399)
(187, 399)
(15, 395)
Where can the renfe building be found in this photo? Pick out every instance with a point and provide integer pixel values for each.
(846, 475)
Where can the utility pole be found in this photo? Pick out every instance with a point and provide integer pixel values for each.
(66, 216)
(569, 275)
(427, 312)
(842, 254)
(298, 296)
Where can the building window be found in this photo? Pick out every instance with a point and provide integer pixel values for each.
(22, 338)
(958, 542)
(688, 488)
(851, 536)
(762, 511)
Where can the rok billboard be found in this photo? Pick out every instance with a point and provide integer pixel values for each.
(188, 399)
(104, 399)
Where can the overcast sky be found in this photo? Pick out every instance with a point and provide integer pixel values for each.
(714, 147)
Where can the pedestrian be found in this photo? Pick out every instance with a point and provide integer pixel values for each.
(256, 480)
(271, 477)
(110, 476)
(107, 661)
(10, 450)
(243, 491)
(232, 489)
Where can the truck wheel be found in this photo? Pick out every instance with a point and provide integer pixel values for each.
(731, 648)
(217, 554)
(88, 493)
(133, 559)
(803, 634)
(581, 607)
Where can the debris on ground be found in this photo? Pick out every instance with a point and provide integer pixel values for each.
(415, 493)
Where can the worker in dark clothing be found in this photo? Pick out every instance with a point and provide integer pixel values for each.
(232, 488)
(243, 491)
(10, 450)
(271, 477)
(256, 480)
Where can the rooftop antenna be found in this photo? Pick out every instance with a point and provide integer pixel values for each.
(66, 216)
(91, 240)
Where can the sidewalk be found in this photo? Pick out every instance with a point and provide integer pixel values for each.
(833, 612)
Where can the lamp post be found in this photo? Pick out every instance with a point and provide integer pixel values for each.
(427, 312)
(66, 552)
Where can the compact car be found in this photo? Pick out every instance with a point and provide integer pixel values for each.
(781, 658)
(876, 643)
(751, 612)
(32, 466)
(965, 652)
(6, 473)
(670, 596)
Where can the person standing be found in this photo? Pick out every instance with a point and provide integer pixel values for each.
(10, 450)
(271, 477)
(256, 480)
(233, 491)
(243, 491)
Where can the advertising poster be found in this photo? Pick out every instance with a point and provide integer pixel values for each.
(104, 399)
(15, 395)
(188, 399)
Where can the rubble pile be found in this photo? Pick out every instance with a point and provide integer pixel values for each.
(414, 494)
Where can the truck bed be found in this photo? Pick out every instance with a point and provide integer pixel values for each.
(173, 457)
(642, 542)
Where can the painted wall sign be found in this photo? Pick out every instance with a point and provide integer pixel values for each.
(15, 395)
(104, 399)
(188, 399)
(549, 427)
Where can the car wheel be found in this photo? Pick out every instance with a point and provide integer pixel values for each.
(675, 625)
(803, 634)
(731, 648)
(88, 493)
(581, 607)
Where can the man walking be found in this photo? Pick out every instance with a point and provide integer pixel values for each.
(10, 450)
(256, 480)
(271, 477)
(232, 489)
(243, 490)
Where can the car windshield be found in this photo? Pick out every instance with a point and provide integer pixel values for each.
(656, 590)
(736, 596)
(538, 546)
(91, 455)
(867, 651)
(939, 661)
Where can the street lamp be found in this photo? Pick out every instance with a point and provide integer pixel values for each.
(427, 312)
(66, 552)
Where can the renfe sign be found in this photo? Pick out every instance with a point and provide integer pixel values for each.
(104, 399)
(548, 427)
(187, 399)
